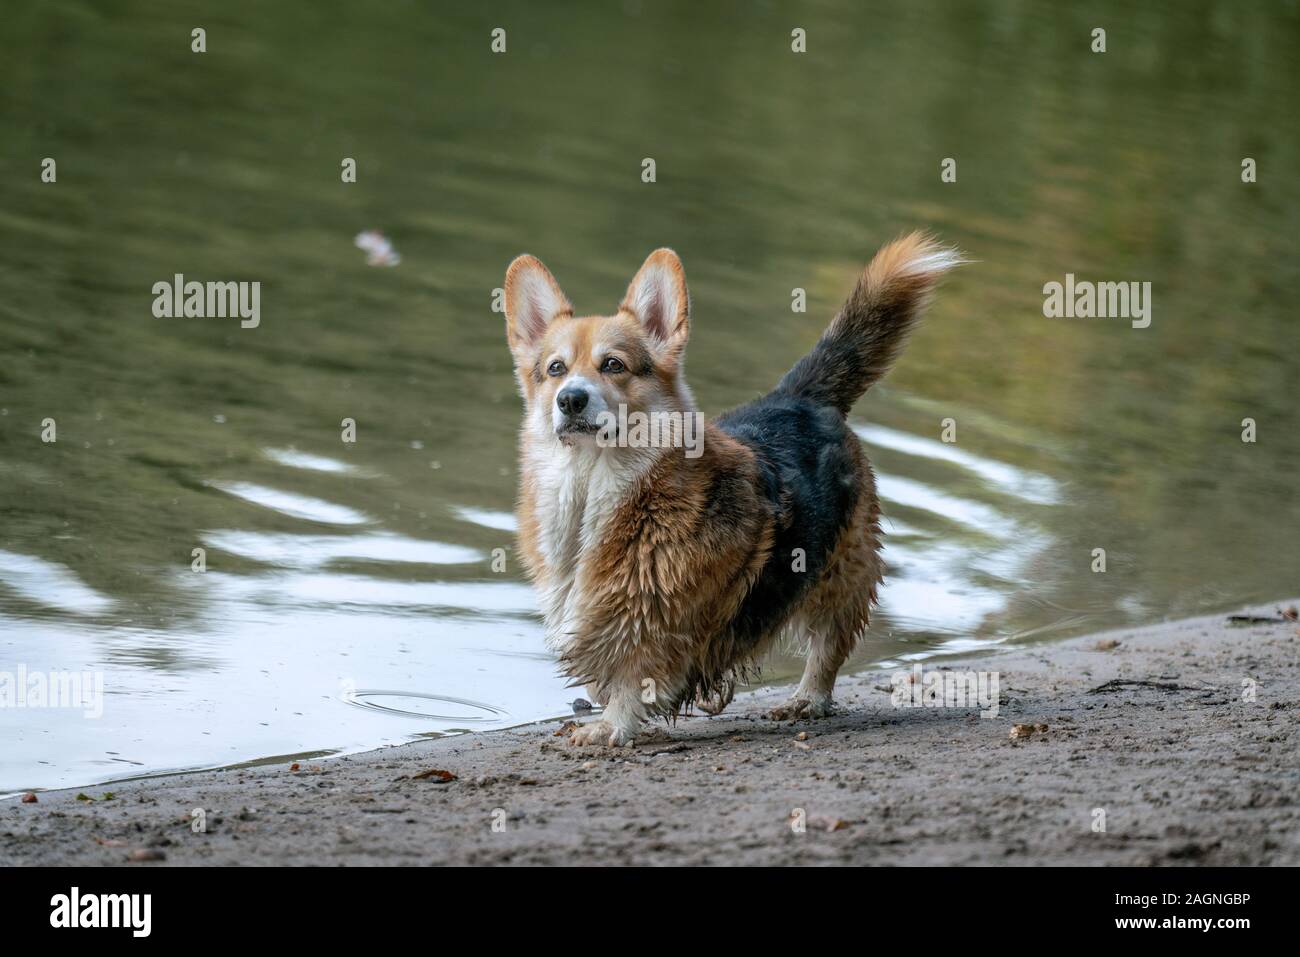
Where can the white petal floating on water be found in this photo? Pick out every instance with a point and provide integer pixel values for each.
(379, 251)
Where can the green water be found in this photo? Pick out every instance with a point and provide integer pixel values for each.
(367, 567)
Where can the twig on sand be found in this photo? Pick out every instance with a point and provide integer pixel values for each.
(1117, 684)
(1283, 615)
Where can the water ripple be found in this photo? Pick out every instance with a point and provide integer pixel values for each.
(307, 551)
(51, 585)
(293, 504)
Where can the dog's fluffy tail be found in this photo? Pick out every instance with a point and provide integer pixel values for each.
(872, 326)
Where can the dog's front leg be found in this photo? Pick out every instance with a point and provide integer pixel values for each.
(623, 717)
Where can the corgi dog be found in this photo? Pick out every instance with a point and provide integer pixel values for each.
(664, 575)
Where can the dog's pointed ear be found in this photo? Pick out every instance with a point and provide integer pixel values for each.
(659, 300)
(533, 301)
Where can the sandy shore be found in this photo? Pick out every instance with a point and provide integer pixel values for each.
(1151, 726)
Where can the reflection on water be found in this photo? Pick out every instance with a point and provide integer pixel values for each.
(304, 460)
(294, 506)
(299, 551)
(349, 598)
(999, 476)
(49, 585)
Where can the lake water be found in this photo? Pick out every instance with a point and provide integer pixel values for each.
(349, 600)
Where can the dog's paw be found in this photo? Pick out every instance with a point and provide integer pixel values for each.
(717, 702)
(792, 709)
(801, 706)
(600, 734)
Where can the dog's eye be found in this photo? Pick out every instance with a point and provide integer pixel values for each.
(613, 366)
(555, 368)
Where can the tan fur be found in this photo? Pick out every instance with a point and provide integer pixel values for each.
(665, 578)
(643, 557)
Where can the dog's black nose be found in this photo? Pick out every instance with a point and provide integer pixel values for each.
(571, 401)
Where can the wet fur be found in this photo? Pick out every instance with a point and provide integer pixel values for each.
(656, 567)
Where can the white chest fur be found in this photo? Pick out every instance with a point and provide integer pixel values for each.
(577, 489)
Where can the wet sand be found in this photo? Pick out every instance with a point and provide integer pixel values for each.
(1149, 733)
